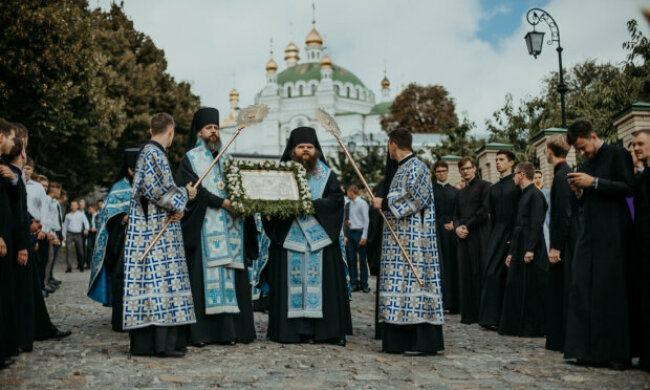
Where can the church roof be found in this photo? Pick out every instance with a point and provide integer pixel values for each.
(381, 108)
(311, 71)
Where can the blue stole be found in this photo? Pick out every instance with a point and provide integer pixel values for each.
(116, 202)
(222, 248)
(304, 245)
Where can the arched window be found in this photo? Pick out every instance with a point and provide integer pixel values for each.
(313, 89)
(336, 89)
(300, 90)
(288, 92)
(348, 91)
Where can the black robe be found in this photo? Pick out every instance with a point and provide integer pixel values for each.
(502, 199)
(8, 323)
(472, 211)
(223, 328)
(597, 316)
(375, 234)
(114, 263)
(445, 203)
(641, 287)
(562, 235)
(336, 322)
(522, 312)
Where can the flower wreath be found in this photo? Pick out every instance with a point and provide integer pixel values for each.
(242, 205)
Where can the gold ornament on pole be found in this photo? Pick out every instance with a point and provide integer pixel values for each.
(250, 115)
(332, 127)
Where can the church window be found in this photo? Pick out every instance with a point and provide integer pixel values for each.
(337, 89)
(288, 92)
(313, 89)
(348, 91)
(300, 91)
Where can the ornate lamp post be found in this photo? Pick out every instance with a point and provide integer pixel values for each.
(535, 41)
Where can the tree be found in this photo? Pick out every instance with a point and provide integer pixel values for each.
(420, 109)
(458, 142)
(85, 83)
(371, 161)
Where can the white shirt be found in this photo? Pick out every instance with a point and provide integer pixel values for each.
(54, 211)
(359, 216)
(75, 223)
(37, 203)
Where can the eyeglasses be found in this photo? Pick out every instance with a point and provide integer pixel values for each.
(441, 171)
(465, 169)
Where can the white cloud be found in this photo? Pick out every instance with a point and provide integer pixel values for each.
(428, 42)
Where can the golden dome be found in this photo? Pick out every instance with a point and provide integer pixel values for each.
(271, 66)
(385, 83)
(291, 52)
(326, 62)
(314, 38)
(234, 95)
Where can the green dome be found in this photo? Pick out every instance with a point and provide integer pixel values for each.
(311, 71)
(381, 108)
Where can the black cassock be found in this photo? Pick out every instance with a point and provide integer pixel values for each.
(502, 201)
(373, 248)
(641, 286)
(444, 196)
(114, 262)
(562, 227)
(472, 211)
(522, 312)
(222, 328)
(336, 322)
(8, 323)
(597, 316)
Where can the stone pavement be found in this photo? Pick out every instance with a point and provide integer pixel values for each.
(96, 357)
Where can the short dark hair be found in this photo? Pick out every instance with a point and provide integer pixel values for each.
(160, 122)
(6, 127)
(580, 128)
(354, 188)
(464, 161)
(527, 168)
(402, 138)
(43, 178)
(29, 162)
(642, 131)
(509, 155)
(440, 164)
(19, 145)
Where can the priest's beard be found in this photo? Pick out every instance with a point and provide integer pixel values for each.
(308, 161)
(213, 144)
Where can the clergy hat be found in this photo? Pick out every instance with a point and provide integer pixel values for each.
(302, 135)
(203, 117)
(128, 161)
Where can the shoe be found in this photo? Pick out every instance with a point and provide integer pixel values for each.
(199, 345)
(170, 354)
(341, 342)
(620, 366)
(68, 270)
(6, 363)
(418, 353)
(366, 289)
(356, 289)
(55, 283)
(45, 293)
(49, 289)
(56, 335)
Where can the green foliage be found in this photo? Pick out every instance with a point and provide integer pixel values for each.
(596, 92)
(419, 109)
(371, 161)
(458, 142)
(85, 83)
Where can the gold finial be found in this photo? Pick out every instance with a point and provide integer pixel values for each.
(313, 13)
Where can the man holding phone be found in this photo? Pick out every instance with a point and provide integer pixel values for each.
(597, 319)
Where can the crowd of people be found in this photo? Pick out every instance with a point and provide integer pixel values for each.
(569, 264)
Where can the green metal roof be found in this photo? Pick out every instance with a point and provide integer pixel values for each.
(381, 108)
(494, 146)
(638, 106)
(547, 132)
(311, 71)
(450, 157)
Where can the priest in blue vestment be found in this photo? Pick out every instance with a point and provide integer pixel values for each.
(219, 245)
(157, 294)
(306, 270)
(107, 265)
(411, 314)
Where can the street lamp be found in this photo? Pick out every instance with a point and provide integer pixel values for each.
(352, 146)
(534, 42)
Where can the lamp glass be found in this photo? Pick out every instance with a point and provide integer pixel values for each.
(534, 42)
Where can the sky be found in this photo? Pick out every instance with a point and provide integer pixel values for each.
(474, 48)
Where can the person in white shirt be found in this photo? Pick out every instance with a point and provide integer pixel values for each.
(56, 224)
(357, 238)
(75, 227)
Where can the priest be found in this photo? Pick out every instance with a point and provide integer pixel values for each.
(411, 314)
(309, 299)
(597, 315)
(157, 293)
(219, 246)
(107, 272)
(522, 313)
(502, 198)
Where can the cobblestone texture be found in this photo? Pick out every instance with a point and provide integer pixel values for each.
(96, 357)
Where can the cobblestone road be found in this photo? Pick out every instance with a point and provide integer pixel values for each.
(95, 357)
